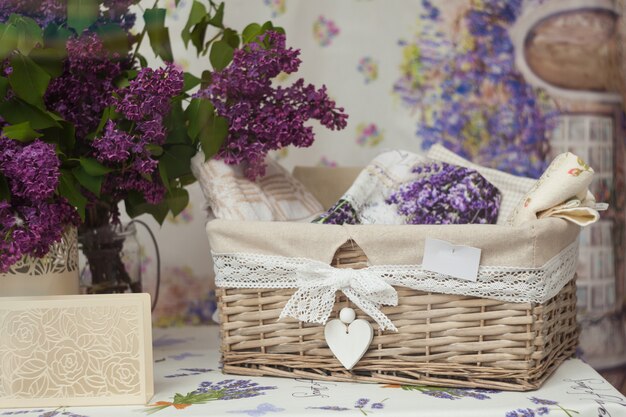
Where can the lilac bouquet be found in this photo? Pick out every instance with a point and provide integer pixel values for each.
(86, 124)
(262, 117)
(447, 194)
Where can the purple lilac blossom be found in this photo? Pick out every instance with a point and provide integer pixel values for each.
(42, 11)
(35, 217)
(447, 194)
(340, 213)
(261, 117)
(145, 102)
(231, 389)
(86, 86)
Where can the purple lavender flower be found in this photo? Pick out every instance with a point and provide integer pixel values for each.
(378, 406)
(361, 402)
(521, 412)
(232, 389)
(341, 213)
(329, 408)
(542, 411)
(447, 194)
(541, 401)
(261, 117)
(440, 394)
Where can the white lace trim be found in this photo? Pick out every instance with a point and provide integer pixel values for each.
(370, 287)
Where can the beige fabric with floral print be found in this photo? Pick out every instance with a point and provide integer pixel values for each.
(562, 191)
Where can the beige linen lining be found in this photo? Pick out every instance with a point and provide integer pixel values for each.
(529, 245)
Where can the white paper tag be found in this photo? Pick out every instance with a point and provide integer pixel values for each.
(445, 258)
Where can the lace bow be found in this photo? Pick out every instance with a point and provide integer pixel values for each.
(317, 284)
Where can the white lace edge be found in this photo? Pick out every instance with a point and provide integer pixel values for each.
(510, 284)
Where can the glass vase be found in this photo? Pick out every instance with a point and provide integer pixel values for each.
(111, 259)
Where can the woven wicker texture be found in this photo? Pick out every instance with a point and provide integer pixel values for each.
(445, 340)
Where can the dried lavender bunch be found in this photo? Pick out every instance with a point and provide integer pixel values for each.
(447, 194)
(341, 213)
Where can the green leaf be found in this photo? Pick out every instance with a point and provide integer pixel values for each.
(159, 35)
(28, 80)
(231, 37)
(29, 34)
(197, 36)
(221, 54)
(8, 39)
(93, 167)
(82, 13)
(107, 114)
(155, 150)
(196, 15)
(267, 26)
(164, 178)
(177, 199)
(49, 59)
(176, 160)
(5, 191)
(68, 188)
(65, 136)
(90, 182)
(218, 17)
(55, 36)
(142, 60)
(200, 113)
(22, 132)
(212, 138)
(250, 32)
(16, 111)
(114, 38)
(136, 205)
(176, 125)
(190, 81)
(207, 77)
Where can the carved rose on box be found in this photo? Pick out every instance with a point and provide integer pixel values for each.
(119, 375)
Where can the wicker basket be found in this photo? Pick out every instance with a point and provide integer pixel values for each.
(445, 340)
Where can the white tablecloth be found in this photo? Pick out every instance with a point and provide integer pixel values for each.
(189, 383)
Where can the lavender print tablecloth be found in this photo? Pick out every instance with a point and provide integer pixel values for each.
(188, 383)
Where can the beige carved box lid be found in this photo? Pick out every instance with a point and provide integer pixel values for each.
(75, 350)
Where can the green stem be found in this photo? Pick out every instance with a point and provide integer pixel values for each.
(566, 411)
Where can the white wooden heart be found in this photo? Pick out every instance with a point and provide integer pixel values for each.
(348, 342)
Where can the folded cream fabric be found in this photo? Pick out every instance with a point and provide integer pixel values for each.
(512, 187)
(364, 202)
(562, 191)
(275, 196)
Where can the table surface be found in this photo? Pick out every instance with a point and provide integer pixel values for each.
(188, 383)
